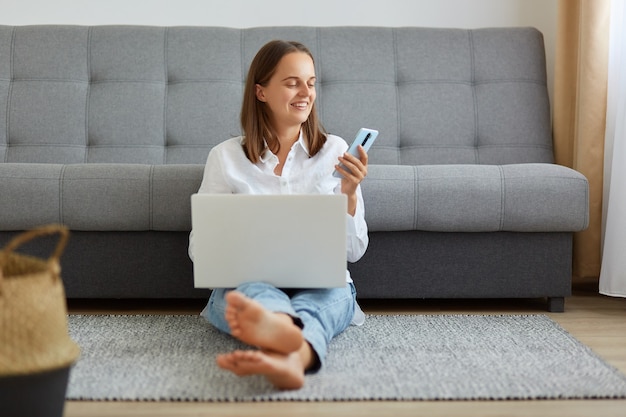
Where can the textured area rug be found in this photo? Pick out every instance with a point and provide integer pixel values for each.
(397, 357)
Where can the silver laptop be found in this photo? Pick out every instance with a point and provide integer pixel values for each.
(289, 241)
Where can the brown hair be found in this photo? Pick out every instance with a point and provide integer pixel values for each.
(255, 120)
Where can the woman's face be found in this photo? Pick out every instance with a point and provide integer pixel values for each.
(290, 93)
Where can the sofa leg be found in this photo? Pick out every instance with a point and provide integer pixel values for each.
(556, 304)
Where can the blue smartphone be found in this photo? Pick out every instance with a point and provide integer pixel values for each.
(365, 137)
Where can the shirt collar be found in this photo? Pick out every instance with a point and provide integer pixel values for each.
(266, 155)
(302, 143)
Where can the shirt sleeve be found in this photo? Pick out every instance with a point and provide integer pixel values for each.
(213, 182)
(214, 179)
(356, 231)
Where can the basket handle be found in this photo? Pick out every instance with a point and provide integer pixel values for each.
(39, 231)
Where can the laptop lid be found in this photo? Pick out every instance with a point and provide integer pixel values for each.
(289, 241)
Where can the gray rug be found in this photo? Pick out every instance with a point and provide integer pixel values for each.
(400, 357)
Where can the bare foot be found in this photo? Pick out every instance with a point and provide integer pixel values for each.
(251, 323)
(284, 371)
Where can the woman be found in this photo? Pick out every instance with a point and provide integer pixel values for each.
(285, 150)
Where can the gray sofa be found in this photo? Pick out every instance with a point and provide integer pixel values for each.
(106, 129)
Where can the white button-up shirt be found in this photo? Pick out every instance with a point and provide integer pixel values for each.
(228, 170)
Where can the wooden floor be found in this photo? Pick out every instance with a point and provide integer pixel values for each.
(597, 321)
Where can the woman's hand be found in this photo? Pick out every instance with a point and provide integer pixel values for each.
(352, 176)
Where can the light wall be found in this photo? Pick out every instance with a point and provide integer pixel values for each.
(249, 13)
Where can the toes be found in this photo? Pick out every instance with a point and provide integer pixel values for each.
(240, 362)
(235, 299)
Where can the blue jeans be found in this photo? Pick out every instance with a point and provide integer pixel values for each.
(321, 313)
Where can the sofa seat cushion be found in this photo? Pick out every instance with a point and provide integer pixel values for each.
(448, 198)
(476, 198)
(98, 197)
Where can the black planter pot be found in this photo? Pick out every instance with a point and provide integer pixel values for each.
(34, 395)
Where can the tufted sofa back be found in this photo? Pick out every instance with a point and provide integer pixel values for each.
(155, 95)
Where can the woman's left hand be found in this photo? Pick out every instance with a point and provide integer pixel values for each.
(352, 176)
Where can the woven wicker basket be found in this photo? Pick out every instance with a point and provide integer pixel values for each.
(36, 351)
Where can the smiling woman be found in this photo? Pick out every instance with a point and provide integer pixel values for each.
(284, 150)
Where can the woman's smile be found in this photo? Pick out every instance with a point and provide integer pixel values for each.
(301, 105)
